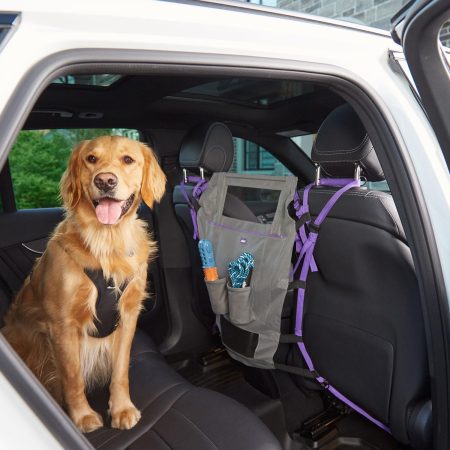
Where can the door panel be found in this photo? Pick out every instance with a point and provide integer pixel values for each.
(23, 237)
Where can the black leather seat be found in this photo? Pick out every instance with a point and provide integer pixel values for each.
(208, 146)
(363, 324)
(175, 414)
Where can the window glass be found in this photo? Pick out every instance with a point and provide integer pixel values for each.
(248, 91)
(247, 194)
(98, 80)
(305, 143)
(251, 158)
(38, 159)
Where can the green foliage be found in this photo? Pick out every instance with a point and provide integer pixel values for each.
(37, 161)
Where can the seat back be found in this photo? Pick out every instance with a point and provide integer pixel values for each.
(210, 147)
(363, 325)
(24, 235)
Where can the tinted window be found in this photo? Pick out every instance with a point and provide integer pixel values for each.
(261, 93)
(251, 158)
(38, 159)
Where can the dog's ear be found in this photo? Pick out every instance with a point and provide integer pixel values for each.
(71, 179)
(153, 178)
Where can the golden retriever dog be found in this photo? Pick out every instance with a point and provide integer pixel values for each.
(52, 323)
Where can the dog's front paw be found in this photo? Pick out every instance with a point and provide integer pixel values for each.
(125, 418)
(89, 422)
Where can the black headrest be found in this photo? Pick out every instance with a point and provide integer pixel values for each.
(209, 146)
(343, 141)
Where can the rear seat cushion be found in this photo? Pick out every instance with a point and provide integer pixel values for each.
(176, 414)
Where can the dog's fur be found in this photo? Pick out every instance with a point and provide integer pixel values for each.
(51, 320)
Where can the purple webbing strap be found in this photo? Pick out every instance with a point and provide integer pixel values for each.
(306, 254)
(300, 236)
(199, 188)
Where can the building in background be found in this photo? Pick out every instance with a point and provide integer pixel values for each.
(251, 158)
(374, 13)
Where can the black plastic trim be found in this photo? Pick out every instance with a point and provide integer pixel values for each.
(6, 189)
(8, 24)
(7, 19)
(398, 17)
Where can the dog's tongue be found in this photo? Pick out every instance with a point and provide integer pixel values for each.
(108, 211)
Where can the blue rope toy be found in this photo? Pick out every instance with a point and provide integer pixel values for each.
(240, 270)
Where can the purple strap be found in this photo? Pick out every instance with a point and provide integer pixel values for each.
(306, 250)
(198, 190)
(300, 237)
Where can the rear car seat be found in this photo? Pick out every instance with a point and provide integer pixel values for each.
(175, 414)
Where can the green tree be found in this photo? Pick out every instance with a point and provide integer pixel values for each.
(37, 161)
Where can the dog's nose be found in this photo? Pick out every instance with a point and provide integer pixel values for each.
(105, 181)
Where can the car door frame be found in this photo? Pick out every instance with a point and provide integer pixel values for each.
(393, 155)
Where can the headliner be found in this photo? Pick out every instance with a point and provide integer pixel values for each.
(156, 101)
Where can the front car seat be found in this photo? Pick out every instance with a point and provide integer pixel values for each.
(363, 324)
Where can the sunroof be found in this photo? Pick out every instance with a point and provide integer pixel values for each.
(99, 80)
(252, 92)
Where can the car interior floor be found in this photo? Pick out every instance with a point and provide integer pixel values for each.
(217, 371)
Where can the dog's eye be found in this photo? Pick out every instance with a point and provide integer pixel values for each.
(128, 159)
(92, 159)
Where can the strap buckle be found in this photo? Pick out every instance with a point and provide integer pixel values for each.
(304, 218)
(314, 228)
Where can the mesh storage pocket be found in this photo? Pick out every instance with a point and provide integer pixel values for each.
(239, 305)
(218, 295)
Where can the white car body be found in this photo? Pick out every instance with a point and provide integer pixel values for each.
(243, 36)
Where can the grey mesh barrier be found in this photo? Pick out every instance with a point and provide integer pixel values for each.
(249, 317)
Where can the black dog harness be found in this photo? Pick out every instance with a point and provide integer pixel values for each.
(107, 304)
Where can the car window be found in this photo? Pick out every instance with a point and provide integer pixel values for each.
(251, 158)
(38, 159)
(306, 143)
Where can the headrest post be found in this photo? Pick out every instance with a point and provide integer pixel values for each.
(317, 181)
(357, 172)
(185, 178)
(202, 173)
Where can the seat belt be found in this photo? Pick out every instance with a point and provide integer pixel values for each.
(305, 244)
